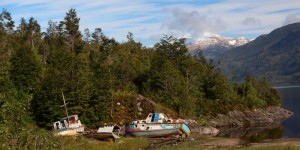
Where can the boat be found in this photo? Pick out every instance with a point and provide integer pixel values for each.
(157, 125)
(68, 126)
(106, 132)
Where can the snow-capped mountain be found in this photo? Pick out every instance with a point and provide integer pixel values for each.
(215, 45)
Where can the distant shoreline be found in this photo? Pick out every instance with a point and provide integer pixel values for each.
(285, 87)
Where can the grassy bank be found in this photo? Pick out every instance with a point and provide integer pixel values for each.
(82, 143)
(234, 143)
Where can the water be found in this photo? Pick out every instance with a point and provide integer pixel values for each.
(291, 101)
(289, 128)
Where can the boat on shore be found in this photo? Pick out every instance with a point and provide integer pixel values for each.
(68, 126)
(157, 125)
(106, 132)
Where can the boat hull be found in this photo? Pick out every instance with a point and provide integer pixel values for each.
(157, 129)
(152, 133)
(185, 129)
(69, 131)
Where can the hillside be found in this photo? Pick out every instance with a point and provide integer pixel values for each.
(215, 45)
(274, 56)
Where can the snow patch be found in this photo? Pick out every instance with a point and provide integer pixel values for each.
(232, 42)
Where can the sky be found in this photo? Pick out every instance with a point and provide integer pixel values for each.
(150, 20)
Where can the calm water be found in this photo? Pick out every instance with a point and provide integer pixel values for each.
(291, 101)
(290, 128)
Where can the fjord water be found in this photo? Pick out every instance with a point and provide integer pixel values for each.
(291, 101)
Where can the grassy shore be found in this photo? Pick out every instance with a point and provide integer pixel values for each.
(234, 143)
(82, 143)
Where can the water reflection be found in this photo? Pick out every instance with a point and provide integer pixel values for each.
(289, 128)
(291, 101)
(276, 133)
(254, 131)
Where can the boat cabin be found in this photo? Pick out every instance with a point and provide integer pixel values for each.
(67, 122)
(158, 118)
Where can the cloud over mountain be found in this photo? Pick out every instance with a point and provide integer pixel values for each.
(192, 23)
(291, 19)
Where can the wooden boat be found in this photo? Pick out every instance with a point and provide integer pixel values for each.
(157, 125)
(68, 126)
(106, 132)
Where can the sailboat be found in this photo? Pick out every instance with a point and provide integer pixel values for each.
(68, 126)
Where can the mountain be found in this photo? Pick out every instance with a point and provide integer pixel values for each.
(215, 45)
(274, 56)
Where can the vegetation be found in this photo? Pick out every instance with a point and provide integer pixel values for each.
(94, 72)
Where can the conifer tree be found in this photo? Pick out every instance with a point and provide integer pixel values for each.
(6, 22)
(70, 30)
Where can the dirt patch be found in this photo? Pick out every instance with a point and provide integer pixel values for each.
(233, 143)
(278, 142)
(217, 143)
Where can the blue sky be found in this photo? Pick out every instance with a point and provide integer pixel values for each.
(149, 20)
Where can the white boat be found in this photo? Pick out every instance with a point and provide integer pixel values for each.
(68, 126)
(106, 132)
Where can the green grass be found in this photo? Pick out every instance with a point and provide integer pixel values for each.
(277, 147)
(82, 143)
(190, 145)
(220, 143)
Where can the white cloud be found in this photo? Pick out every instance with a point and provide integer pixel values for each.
(291, 18)
(192, 23)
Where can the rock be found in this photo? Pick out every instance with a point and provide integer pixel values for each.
(208, 130)
(250, 117)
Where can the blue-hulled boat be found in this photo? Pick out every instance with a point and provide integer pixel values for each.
(157, 125)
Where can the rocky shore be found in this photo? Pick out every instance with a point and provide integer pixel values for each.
(242, 123)
(256, 117)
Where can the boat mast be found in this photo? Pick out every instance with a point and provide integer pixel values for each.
(65, 107)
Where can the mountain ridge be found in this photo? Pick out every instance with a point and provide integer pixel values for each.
(215, 45)
(272, 55)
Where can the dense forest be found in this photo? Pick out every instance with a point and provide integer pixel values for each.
(92, 70)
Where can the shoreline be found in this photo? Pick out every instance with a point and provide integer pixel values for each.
(250, 118)
(286, 86)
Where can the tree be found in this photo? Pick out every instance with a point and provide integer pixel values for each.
(97, 36)
(249, 93)
(25, 70)
(22, 29)
(130, 37)
(7, 46)
(173, 48)
(87, 35)
(29, 32)
(70, 29)
(34, 31)
(6, 22)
